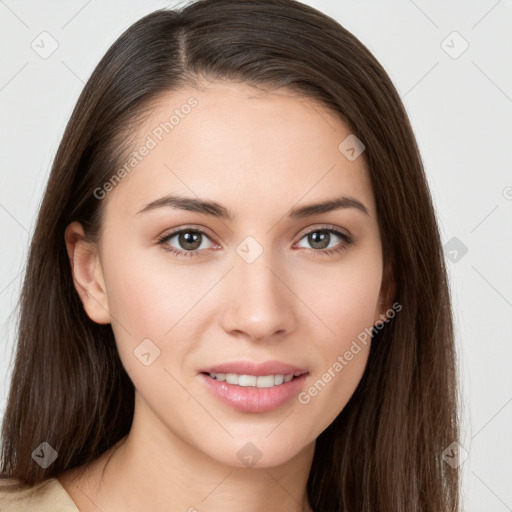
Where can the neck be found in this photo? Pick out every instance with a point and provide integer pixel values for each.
(153, 469)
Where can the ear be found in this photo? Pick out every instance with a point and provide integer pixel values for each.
(87, 274)
(387, 295)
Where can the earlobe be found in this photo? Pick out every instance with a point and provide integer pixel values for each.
(87, 274)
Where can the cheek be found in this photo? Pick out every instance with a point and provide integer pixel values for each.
(345, 302)
(151, 298)
(152, 306)
(147, 296)
(343, 353)
(344, 298)
(328, 392)
(138, 301)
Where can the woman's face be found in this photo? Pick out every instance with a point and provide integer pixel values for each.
(254, 277)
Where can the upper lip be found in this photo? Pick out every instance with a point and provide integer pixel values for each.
(256, 369)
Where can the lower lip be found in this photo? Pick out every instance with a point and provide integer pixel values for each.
(253, 399)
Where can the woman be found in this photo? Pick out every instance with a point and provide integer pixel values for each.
(235, 297)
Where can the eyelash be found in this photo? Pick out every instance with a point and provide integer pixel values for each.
(347, 240)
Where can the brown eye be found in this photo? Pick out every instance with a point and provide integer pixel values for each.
(324, 241)
(188, 242)
(319, 239)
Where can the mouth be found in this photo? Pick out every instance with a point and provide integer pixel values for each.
(254, 388)
(253, 369)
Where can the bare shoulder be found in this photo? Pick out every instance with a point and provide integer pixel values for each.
(70, 491)
(15, 496)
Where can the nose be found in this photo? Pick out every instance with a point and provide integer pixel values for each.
(259, 303)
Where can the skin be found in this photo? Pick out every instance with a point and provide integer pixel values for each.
(258, 154)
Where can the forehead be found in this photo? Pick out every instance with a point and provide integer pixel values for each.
(241, 146)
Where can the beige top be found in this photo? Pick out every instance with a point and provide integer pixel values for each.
(47, 496)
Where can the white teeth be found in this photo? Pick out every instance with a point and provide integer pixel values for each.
(265, 381)
(262, 381)
(231, 378)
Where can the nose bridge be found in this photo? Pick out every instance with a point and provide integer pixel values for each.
(259, 304)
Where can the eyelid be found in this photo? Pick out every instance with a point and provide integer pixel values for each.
(170, 234)
(326, 227)
(186, 227)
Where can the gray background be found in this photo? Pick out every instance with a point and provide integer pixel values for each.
(460, 105)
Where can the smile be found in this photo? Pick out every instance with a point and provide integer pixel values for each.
(261, 381)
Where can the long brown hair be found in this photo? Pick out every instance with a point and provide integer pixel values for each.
(384, 450)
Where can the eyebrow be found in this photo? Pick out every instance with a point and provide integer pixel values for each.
(215, 209)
